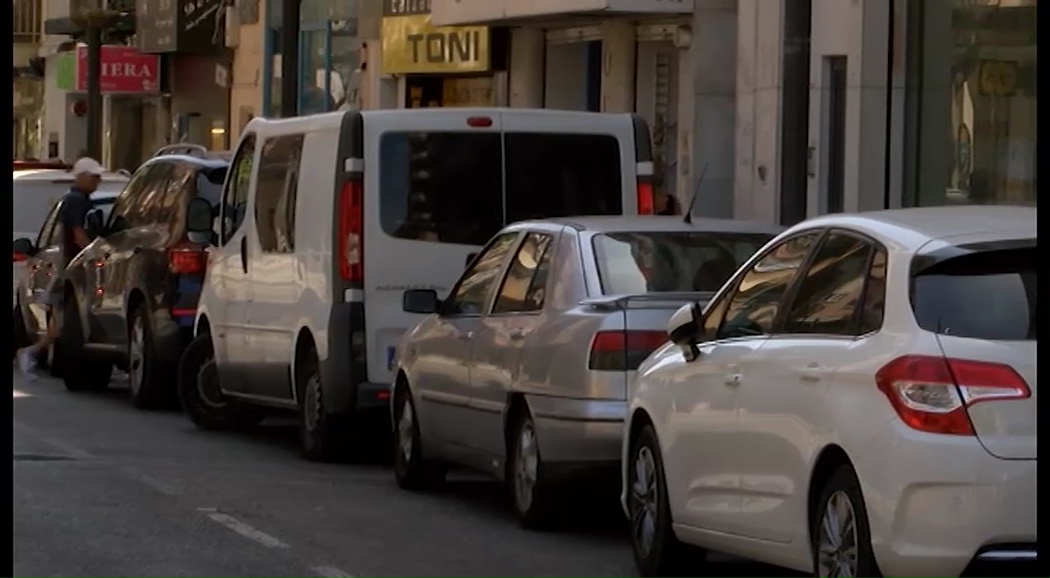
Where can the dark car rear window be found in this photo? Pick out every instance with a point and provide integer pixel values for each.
(631, 263)
(209, 185)
(987, 295)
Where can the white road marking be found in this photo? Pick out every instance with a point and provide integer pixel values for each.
(331, 572)
(155, 484)
(242, 528)
(21, 394)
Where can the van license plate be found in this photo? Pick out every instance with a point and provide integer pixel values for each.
(391, 352)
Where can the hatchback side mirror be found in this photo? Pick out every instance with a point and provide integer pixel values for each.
(423, 301)
(93, 224)
(200, 217)
(684, 329)
(22, 249)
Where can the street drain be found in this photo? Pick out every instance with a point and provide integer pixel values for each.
(40, 458)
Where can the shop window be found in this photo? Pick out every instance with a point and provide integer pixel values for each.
(972, 102)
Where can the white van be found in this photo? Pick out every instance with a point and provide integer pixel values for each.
(327, 219)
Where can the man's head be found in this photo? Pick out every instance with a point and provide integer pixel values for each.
(86, 174)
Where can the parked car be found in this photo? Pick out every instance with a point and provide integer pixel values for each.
(860, 397)
(302, 305)
(523, 370)
(131, 295)
(40, 260)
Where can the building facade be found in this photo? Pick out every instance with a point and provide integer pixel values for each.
(28, 86)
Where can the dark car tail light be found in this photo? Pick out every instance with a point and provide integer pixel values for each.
(351, 232)
(187, 259)
(646, 203)
(932, 393)
(622, 350)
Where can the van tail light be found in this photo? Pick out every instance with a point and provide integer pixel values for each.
(932, 394)
(623, 350)
(646, 204)
(187, 259)
(351, 229)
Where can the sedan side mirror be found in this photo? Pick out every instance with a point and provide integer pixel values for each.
(22, 249)
(423, 301)
(93, 224)
(684, 329)
(200, 217)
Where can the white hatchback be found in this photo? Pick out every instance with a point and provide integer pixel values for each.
(858, 399)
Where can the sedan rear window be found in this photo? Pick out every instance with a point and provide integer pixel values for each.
(631, 263)
(987, 295)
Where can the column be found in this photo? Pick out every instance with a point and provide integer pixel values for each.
(618, 52)
(526, 67)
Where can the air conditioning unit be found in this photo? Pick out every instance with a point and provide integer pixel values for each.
(233, 28)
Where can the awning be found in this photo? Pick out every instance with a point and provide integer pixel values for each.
(457, 12)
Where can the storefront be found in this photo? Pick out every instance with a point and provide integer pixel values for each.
(971, 127)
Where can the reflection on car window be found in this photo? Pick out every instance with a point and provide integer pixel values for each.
(828, 294)
(472, 291)
(631, 263)
(525, 285)
(874, 294)
(754, 306)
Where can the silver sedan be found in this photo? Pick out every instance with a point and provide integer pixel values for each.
(522, 371)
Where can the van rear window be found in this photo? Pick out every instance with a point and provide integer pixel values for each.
(987, 295)
(447, 186)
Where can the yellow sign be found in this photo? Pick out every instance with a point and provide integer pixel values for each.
(412, 45)
(998, 77)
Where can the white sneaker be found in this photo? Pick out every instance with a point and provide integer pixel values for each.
(27, 362)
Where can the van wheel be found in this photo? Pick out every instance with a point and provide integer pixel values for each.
(532, 493)
(88, 374)
(839, 529)
(148, 382)
(323, 436)
(657, 551)
(201, 397)
(411, 471)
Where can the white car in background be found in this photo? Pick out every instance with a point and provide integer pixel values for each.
(858, 400)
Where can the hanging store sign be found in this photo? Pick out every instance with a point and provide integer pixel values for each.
(124, 70)
(412, 45)
(185, 26)
(449, 12)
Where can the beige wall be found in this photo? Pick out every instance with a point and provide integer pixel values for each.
(246, 83)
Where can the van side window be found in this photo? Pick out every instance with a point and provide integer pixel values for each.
(444, 187)
(235, 196)
(558, 175)
(276, 191)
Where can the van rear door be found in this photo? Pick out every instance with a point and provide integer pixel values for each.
(561, 163)
(436, 178)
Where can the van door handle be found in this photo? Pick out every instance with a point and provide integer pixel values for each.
(244, 254)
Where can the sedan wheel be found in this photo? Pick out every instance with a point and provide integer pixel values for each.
(411, 471)
(526, 466)
(406, 431)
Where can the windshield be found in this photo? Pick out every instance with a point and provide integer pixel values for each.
(988, 295)
(31, 200)
(631, 263)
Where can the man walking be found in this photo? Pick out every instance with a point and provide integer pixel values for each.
(76, 204)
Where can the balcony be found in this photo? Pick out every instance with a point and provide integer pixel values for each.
(27, 26)
(455, 12)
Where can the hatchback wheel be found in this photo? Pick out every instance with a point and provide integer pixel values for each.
(411, 471)
(839, 529)
(78, 373)
(657, 551)
(148, 382)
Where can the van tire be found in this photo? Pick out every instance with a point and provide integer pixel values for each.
(88, 374)
(149, 382)
(323, 436)
(411, 471)
(205, 403)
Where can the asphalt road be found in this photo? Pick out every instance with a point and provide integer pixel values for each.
(102, 489)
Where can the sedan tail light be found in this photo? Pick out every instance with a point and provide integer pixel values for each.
(932, 394)
(623, 350)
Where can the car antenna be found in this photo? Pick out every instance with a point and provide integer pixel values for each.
(696, 192)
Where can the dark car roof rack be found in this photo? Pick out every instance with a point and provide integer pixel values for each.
(194, 150)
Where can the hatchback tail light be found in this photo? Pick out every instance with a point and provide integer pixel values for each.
(646, 203)
(187, 259)
(351, 229)
(932, 394)
(623, 350)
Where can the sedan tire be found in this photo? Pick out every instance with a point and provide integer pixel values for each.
(532, 493)
(411, 471)
(657, 551)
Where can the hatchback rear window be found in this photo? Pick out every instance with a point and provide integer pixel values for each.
(987, 295)
(630, 263)
(448, 186)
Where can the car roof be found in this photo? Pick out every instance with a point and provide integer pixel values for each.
(58, 174)
(213, 161)
(655, 224)
(912, 228)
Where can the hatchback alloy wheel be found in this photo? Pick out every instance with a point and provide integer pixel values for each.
(137, 355)
(837, 542)
(526, 466)
(644, 501)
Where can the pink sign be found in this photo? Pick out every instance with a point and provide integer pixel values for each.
(124, 69)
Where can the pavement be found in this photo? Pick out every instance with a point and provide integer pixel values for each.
(101, 489)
